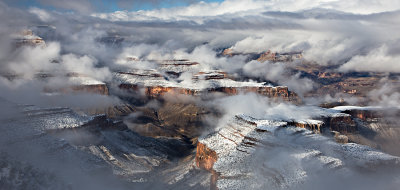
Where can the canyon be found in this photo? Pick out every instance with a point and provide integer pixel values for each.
(172, 127)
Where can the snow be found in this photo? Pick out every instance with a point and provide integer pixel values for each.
(83, 80)
(55, 118)
(287, 150)
(147, 80)
(345, 108)
(311, 122)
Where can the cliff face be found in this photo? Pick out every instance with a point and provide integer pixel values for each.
(313, 125)
(342, 123)
(205, 157)
(281, 93)
(165, 79)
(365, 114)
(267, 55)
(155, 86)
(268, 91)
(27, 38)
(94, 89)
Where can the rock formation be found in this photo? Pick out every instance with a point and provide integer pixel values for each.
(241, 155)
(155, 85)
(27, 38)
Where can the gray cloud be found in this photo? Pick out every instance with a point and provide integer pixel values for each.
(81, 6)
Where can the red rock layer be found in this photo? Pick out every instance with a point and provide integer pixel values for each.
(205, 159)
(310, 126)
(271, 92)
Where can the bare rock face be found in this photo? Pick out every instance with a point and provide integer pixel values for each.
(342, 123)
(205, 157)
(313, 125)
(279, 57)
(27, 38)
(267, 56)
(329, 75)
(227, 52)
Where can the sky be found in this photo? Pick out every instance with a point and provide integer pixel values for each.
(102, 5)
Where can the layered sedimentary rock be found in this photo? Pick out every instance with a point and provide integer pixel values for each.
(27, 38)
(279, 57)
(313, 125)
(205, 157)
(254, 154)
(341, 122)
(267, 55)
(155, 85)
(376, 127)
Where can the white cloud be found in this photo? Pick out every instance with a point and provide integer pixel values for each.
(41, 14)
(251, 7)
(378, 60)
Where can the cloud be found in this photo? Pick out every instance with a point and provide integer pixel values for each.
(260, 107)
(81, 6)
(377, 60)
(28, 61)
(250, 7)
(278, 73)
(85, 65)
(387, 95)
(42, 14)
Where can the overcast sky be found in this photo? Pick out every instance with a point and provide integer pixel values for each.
(88, 6)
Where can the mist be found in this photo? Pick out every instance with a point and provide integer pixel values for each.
(90, 40)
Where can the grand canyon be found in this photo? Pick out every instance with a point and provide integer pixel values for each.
(200, 95)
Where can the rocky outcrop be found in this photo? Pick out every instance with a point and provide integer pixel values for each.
(205, 157)
(257, 154)
(365, 114)
(266, 56)
(342, 123)
(154, 85)
(329, 75)
(27, 38)
(279, 57)
(280, 92)
(313, 125)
